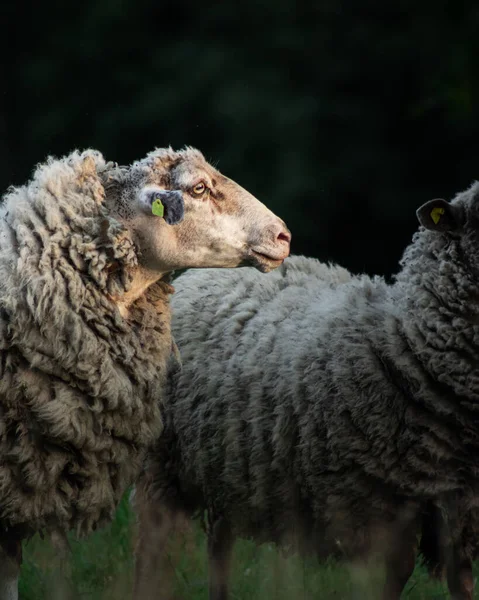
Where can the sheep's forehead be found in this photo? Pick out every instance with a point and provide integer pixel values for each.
(188, 171)
(183, 168)
(167, 159)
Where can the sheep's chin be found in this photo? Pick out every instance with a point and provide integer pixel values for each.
(263, 262)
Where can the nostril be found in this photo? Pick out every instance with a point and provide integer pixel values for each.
(284, 237)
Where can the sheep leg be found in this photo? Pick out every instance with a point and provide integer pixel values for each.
(10, 561)
(62, 589)
(460, 579)
(399, 565)
(220, 546)
(152, 570)
(432, 542)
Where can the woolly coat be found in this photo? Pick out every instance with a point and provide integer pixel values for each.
(322, 414)
(79, 383)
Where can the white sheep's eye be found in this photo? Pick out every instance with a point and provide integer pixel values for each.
(199, 188)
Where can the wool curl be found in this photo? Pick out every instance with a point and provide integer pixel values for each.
(78, 382)
(324, 413)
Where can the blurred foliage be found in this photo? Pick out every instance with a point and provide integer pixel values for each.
(101, 567)
(342, 116)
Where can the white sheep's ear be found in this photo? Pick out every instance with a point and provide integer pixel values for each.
(440, 215)
(168, 204)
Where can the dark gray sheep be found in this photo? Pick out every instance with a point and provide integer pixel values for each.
(331, 417)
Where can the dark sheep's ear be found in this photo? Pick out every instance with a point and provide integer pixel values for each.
(440, 215)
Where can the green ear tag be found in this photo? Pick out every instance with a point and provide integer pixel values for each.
(436, 214)
(157, 208)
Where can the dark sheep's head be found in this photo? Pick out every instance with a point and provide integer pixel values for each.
(455, 224)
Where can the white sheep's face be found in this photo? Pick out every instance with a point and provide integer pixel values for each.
(223, 225)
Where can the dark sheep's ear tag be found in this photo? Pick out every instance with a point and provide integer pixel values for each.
(440, 215)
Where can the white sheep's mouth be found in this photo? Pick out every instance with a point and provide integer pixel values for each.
(264, 262)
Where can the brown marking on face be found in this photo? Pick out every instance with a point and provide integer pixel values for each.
(217, 195)
(165, 180)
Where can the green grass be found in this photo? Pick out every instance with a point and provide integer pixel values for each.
(101, 568)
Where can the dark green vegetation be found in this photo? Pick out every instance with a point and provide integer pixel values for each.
(101, 568)
(343, 116)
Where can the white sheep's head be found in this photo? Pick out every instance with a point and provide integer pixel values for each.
(208, 221)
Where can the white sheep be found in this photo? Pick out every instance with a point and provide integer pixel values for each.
(332, 417)
(85, 340)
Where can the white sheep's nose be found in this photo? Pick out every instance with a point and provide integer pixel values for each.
(272, 242)
(282, 237)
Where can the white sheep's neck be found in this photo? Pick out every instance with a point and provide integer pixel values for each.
(142, 279)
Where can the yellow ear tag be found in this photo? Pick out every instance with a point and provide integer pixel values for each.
(158, 209)
(436, 214)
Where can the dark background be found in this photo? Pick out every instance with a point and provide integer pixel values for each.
(342, 116)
